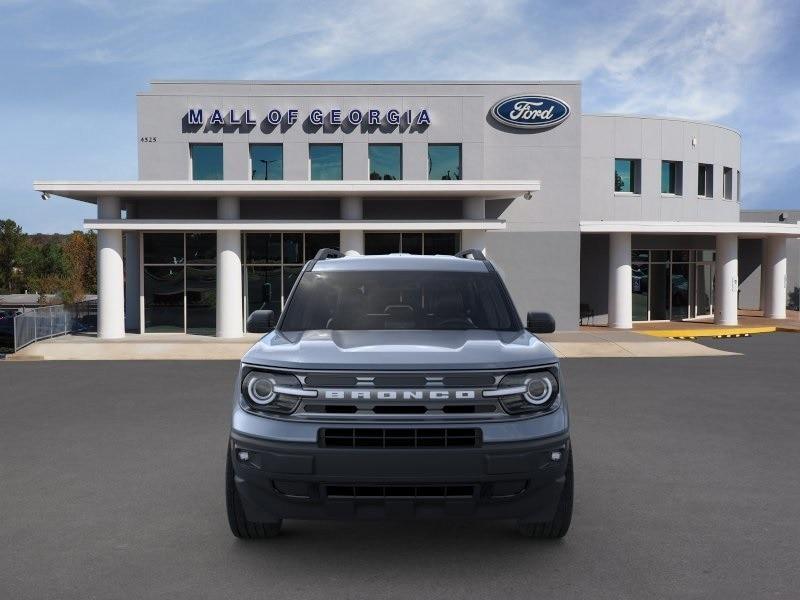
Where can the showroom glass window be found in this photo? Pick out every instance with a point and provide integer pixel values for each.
(325, 162)
(705, 180)
(266, 162)
(206, 161)
(180, 282)
(671, 172)
(672, 284)
(385, 162)
(430, 242)
(272, 263)
(626, 175)
(444, 161)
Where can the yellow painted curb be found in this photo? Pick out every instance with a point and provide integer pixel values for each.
(706, 332)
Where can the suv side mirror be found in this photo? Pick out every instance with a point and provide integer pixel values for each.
(260, 321)
(541, 322)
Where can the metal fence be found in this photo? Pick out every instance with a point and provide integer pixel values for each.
(50, 321)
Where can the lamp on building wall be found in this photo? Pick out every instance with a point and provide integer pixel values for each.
(45, 196)
(527, 195)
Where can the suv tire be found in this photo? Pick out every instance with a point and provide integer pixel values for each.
(558, 526)
(241, 527)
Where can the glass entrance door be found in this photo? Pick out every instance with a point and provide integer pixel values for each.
(681, 292)
(659, 292)
(704, 289)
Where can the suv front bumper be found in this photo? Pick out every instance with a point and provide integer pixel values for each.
(292, 480)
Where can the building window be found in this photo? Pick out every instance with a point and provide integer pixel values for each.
(738, 186)
(434, 242)
(266, 162)
(273, 262)
(705, 180)
(180, 282)
(727, 183)
(671, 177)
(385, 162)
(325, 161)
(206, 161)
(627, 175)
(444, 161)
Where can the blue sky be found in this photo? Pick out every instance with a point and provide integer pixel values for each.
(71, 68)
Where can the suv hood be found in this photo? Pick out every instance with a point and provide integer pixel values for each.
(400, 350)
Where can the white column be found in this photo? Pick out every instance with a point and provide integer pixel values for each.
(110, 278)
(620, 295)
(773, 269)
(351, 242)
(229, 272)
(474, 208)
(726, 288)
(131, 272)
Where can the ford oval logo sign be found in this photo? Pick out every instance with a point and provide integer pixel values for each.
(530, 112)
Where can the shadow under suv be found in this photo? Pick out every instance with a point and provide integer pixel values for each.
(399, 386)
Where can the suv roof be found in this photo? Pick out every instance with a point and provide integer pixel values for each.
(401, 262)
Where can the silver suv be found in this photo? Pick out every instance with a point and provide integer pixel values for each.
(399, 386)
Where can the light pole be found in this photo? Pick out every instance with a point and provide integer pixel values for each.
(266, 166)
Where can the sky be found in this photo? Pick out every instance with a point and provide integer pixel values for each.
(70, 70)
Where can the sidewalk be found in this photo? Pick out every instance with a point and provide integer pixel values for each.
(602, 342)
(153, 346)
(594, 342)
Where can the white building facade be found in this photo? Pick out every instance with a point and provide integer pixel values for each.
(612, 218)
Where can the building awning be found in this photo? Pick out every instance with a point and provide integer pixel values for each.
(89, 191)
(742, 229)
(286, 225)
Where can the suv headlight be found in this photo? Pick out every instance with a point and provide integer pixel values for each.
(534, 391)
(272, 392)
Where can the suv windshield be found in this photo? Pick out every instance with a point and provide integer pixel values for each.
(410, 300)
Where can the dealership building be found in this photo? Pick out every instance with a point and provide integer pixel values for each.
(614, 218)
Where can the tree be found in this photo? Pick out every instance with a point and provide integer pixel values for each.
(81, 272)
(11, 238)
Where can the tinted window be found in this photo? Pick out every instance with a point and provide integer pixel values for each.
(385, 162)
(705, 180)
(163, 248)
(266, 162)
(408, 300)
(670, 177)
(317, 241)
(206, 161)
(626, 175)
(326, 161)
(381, 243)
(201, 248)
(444, 161)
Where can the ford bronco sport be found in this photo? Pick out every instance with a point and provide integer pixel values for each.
(399, 386)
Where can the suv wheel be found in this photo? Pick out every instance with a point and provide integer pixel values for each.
(558, 526)
(241, 527)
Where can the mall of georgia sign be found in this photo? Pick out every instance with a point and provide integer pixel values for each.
(530, 112)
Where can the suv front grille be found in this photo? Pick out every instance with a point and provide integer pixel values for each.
(335, 437)
(401, 491)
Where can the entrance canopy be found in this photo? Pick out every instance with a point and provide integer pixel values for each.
(89, 191)
(743, 230)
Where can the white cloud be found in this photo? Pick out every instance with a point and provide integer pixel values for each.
(708, 60)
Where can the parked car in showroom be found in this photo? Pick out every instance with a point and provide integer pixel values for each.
(399, 386)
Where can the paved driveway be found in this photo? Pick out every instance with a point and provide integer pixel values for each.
(687, 476)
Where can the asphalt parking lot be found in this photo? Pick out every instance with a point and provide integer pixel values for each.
(687, 486)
